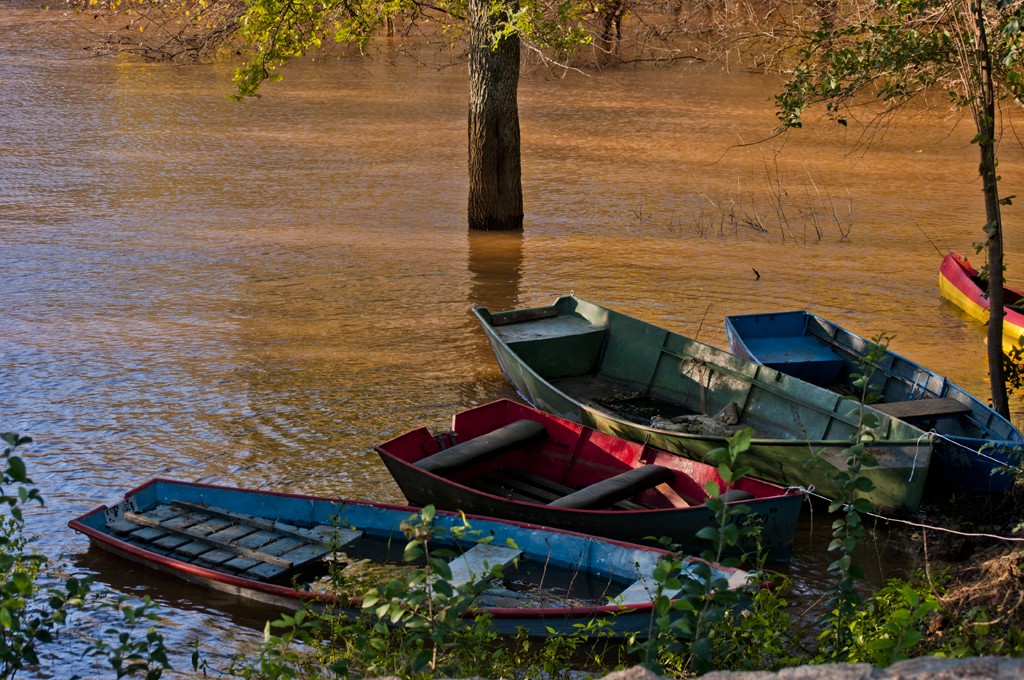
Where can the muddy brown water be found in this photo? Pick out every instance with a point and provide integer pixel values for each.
(255, 293)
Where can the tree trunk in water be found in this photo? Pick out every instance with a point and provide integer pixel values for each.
(495, 174)
(985, 116)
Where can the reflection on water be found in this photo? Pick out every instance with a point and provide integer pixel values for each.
(496, 266)
(256, 293)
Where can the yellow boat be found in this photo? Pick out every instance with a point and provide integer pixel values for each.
(961, 284)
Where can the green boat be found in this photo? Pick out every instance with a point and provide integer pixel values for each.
(634, 380)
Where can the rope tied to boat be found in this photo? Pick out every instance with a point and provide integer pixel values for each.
(1017, 450)
(917, 451)
(808, 492)
(920, 525)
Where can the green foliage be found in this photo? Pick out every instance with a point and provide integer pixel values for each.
(139, 648)
(848, 528)
(559, 26)
(416, 625)
(890, 51)
(279, 31)
(757, 636)
(891, 626)
(691, 598)
(29, 616)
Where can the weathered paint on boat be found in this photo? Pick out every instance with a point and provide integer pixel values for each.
(961, 284)
(566, 358)
(612, 564)
(516, 480)
(973, 443)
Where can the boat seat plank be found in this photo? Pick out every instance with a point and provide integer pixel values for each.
(149, 534)
(479, 560)
(232, 533)
(212, 526)
(617, 488)
(519, 485)
(484, 447)
(122, 526)
(521, 315)
(265, 572)
(505, 489)
(546, 486)
(804, 356)
(924, 408)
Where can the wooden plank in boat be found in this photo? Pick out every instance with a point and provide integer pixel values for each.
(232, 533)
(170, 518)
(217, 557)
(479, 560)
(170, 541)
(549, 490)
(232, 541)
(520, 315)
(544, 488)
(923, 408)
(235, 546)
(322, 534)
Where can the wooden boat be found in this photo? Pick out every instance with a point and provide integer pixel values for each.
(505, 459)
(961, 284)
(631, 379)
(273, 547)
(974, 440)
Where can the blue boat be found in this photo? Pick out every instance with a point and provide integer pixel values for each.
(973, 440)
(274, 548)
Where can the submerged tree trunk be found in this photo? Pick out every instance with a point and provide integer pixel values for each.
(985, 118)
(495, 174)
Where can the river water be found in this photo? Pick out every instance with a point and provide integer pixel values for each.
(255, 293)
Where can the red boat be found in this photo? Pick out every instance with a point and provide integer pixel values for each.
(961, 284)
(508, 460)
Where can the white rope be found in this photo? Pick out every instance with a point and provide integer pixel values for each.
(978, 452)
(1009, 539)
(917, 452)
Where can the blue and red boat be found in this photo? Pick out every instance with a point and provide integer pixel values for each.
(276, 548)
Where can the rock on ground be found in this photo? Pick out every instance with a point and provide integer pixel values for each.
(922, 668)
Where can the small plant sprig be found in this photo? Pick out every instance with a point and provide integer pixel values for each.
(691, 597)
(416, 625)
(29, 617)
(139, 650)
(848, 529)
(430, 611)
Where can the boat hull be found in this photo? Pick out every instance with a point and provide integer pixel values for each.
(802, 431)
(517, 483)
(960, 284)
(601, 559)
(973, 444)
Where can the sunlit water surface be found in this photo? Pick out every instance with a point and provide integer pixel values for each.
(255, 293)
